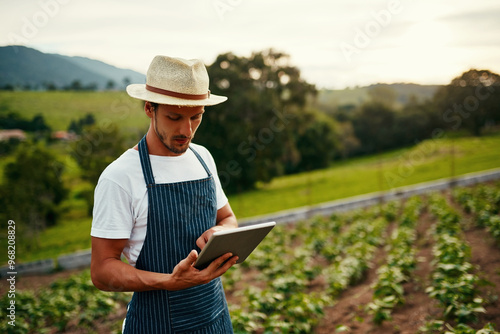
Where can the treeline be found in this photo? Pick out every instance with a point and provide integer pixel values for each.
(470, 104)
(13, 120)
(75, 85)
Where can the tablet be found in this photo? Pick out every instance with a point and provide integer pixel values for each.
(240, 241)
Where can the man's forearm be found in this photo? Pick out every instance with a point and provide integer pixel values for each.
(226, 217)
(115, 275)
(228, 222)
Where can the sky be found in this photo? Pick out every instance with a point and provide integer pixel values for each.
(335, 44)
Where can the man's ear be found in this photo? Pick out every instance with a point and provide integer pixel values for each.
(148, 109)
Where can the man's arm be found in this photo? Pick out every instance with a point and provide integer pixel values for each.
(225, 219)
(109, 273)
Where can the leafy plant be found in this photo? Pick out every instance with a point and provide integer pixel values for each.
(70, 302)
(453, 283)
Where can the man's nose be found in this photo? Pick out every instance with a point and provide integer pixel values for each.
(187, 128)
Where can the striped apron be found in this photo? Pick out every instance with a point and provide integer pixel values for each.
(178, 214)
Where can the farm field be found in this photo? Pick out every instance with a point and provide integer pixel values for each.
(428, 264)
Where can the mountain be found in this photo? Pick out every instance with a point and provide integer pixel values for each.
(351, 97)
(21, 66)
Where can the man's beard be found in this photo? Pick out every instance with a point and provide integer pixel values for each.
(173, 149)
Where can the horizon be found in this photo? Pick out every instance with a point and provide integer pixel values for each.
(334, 45)
(319, 89)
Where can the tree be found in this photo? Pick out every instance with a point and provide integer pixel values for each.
(317, 140)
(110, 85)
(75, 85)
(383, 94)
(470, 100)
(251, 135)
(373, 125)
(96, 148)
(38, 124)
(32, 189)
(126, 81)
(79, 125)
(349, 143)
(415, 122)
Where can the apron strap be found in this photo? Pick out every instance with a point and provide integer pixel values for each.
(145, 162)
(200, 159)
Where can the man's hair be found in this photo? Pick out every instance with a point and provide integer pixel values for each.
(153, 105)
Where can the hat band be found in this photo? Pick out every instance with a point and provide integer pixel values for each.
(179, 95)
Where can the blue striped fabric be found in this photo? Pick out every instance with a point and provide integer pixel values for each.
(178, 214)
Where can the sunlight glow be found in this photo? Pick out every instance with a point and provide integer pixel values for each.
(427, 34)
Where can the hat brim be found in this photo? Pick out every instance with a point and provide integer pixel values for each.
(140, 92)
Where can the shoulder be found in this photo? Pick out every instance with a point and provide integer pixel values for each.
(123, 168)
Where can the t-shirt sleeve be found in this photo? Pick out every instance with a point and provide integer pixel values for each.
(113, 214)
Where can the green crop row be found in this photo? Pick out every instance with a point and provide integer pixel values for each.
(454, 285)
(440, 326)
(388, 288)
(484, 202)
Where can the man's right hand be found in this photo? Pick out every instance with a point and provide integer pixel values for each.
(185, 275)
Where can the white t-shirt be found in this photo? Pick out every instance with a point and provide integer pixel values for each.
(121, 201)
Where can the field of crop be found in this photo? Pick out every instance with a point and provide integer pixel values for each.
(429, 264)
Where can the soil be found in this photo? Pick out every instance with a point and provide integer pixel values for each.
(349, 309)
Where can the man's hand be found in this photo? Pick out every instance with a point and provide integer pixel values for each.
(225, 220)
(186, 275)
(203, 239)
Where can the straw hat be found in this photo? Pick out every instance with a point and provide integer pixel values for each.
(176, 81)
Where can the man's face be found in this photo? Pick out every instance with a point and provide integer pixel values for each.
(175, 126)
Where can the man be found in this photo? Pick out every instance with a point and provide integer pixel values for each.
(158, 204)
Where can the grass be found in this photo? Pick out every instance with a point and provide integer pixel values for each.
(66, 237)
(107, 107)
(430, 160)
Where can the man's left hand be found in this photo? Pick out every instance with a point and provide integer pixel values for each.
(203, 239)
